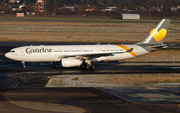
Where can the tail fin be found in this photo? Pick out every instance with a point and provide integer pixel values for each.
(157, 35)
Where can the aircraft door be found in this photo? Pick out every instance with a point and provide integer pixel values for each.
(22, 52)
(99, 49)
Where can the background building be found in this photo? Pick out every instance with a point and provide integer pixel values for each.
(130, 16)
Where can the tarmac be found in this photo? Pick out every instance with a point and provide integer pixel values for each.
(148, 95)
(23, 90)
(75, 100)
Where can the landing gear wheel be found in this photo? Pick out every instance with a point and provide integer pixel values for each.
(86, 64)
(81, 66)
(87, 67)
(92, 67)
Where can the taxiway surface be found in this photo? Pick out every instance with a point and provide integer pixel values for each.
(73, 100)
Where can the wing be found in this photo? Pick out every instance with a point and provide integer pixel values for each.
(87, 56)
(92, 55)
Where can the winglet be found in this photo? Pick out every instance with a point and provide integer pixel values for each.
(129, 50)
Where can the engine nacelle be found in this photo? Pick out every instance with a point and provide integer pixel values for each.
(70, 62)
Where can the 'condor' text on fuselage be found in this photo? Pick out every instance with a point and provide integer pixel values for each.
(42, 50)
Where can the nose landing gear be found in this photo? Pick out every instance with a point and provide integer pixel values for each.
(23, 64)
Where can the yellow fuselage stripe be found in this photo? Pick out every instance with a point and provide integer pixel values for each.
(126, 48)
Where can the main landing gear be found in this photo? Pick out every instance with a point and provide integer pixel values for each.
(86, 64)
(23, 64)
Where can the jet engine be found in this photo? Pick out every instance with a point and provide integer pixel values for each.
(70, 62)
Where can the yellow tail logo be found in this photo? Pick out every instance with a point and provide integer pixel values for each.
(158, 36)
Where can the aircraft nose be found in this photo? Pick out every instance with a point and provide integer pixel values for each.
(7, 55)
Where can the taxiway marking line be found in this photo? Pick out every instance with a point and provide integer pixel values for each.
(116, 95)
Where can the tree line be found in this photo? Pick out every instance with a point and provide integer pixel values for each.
(52, 5)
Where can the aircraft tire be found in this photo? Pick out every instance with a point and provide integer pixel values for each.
(87, 67)
(81, 66)
(92, 67)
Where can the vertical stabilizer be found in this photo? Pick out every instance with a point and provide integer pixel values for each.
(157, 35)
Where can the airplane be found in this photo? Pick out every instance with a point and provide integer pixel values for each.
(84, 55)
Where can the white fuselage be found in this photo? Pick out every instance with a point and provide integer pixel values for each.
(55, 53)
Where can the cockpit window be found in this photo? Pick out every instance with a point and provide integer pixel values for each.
(12, 51)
